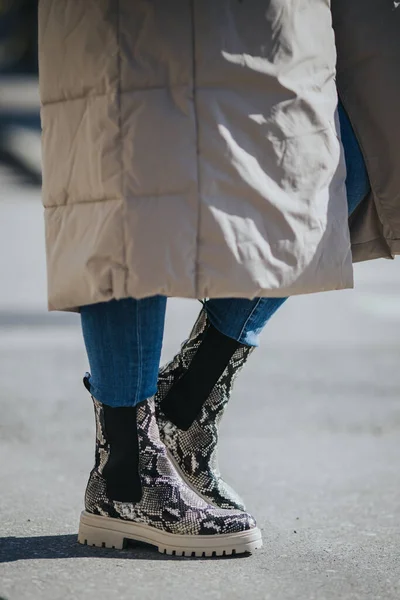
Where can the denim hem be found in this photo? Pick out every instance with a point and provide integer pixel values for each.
(105, 396)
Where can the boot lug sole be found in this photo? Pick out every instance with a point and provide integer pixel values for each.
(106, 532)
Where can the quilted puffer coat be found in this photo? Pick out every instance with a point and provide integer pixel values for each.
(191, 148)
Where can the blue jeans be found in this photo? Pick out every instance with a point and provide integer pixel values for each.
(124, 338)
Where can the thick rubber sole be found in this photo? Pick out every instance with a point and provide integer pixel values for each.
(191, 486)
(105, 532)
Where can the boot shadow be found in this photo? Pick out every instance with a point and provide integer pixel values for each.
(66, 546)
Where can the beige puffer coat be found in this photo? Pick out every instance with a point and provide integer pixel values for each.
(190, 149)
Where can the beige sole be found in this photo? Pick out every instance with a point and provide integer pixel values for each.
(106, 532)
(191, 486)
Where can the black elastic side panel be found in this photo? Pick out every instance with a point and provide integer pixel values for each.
(121, 471)
(185, 398)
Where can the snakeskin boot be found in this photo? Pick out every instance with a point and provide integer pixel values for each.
(193, 390)
(134, 493)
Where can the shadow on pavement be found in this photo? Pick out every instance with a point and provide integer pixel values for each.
(66, 546)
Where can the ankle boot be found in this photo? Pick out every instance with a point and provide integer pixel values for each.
(193, 391)
(135, 493)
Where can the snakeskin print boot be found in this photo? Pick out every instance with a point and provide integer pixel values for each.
(134, 493)
(193, 390)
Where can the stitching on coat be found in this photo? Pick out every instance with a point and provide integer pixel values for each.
(111, 92)
(121, 141)
(197, 128)
(121, 199)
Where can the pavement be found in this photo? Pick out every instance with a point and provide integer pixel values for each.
(311, 439)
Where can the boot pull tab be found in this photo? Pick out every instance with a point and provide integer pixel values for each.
(86, 381)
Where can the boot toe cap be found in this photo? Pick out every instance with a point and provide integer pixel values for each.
(229, 521)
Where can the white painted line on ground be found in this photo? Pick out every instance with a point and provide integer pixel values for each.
(19, 94)
(25, 145)
(36, 338)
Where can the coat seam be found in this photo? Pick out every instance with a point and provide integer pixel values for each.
(375, 239)
(110, 93)
(197, 128)
(115, 199)
(121, 160)
(165, 86)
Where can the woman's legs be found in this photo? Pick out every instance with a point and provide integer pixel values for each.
(133, 490)
(123, 342)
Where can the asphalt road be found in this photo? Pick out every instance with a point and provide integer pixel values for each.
(311, 440)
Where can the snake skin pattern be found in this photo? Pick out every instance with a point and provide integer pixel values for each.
(194, 451)
(167, 503)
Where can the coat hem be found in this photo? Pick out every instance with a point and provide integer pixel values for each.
(374, 249)
(278, 293)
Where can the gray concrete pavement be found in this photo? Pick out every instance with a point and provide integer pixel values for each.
(311, 439)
